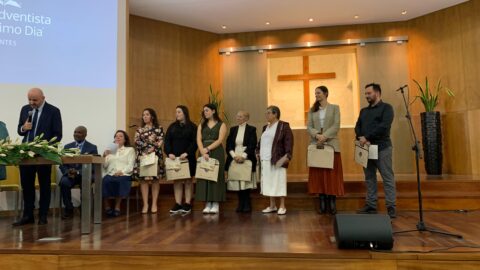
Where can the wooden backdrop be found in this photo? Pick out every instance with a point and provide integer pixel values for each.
(170, 64)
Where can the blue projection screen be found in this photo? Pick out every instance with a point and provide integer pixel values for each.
(59, 42)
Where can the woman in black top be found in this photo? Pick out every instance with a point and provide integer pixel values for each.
(180, 141)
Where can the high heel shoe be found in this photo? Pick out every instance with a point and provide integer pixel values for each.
(154, 209)
(145, 209)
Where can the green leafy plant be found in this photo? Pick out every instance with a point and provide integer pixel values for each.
(13, 152)
(217, 101)
(428, 96)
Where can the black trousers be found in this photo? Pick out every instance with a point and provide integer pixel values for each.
(27, 179)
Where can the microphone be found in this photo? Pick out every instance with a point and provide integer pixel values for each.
(402, 87)
(30, 113)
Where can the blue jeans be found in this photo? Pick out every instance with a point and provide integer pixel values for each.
(384, 166)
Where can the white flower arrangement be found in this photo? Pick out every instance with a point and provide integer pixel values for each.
(13, 152)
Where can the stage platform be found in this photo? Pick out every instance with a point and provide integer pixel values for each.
(302, 239)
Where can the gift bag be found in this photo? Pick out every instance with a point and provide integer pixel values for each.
(320, 158)
(207, 169)
(177, 169)
(149, 165)
(240, 171)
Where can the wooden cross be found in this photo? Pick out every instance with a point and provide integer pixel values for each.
(306, 77)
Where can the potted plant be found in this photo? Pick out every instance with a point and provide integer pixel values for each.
(431, 125)
(217, 101)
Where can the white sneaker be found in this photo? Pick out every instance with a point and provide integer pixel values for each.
(215, 208)
(269, 210)
(282, 211)
(207, 209)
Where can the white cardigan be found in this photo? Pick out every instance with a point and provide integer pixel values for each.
(123, 160)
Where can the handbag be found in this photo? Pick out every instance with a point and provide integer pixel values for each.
(177, 169)
(148, 159)
(207, 169)
(240, 171)
(320, 158)
(148, 165)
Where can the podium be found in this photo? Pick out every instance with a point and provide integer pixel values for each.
(88, 162)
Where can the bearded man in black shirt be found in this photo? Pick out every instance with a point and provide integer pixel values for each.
(373, 128)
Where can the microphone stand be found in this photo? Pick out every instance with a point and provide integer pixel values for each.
(421, 226)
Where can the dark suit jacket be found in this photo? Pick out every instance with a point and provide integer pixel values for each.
(87, 149)
(50, 122)
(282, 142)
(249, 140)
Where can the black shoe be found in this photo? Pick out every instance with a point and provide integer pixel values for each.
(367, 210)
(24, 221)
(109, 212)
(116, 213)
(186, 208)
(247, 202)
(241, 198)
(323, 204)
(67, 214)
(332, 204)
(42, 220)
(247, 207)
(176, 209)
(392, 213)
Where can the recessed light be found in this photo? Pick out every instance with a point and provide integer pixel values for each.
(224, 27)
(404, 12)
(310, 19)
(356, 17)
(267, 23)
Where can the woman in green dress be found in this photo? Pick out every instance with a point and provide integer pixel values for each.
(210, 136)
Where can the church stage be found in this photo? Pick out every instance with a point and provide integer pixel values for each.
(302, 239)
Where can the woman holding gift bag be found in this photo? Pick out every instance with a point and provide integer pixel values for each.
(210, 135)
(323, 126)
(148, 143)
(275, 151)
(181, 142)
(241, 144)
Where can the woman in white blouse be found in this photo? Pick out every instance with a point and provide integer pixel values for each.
(241, 144)
(118, 168)
(276, 148)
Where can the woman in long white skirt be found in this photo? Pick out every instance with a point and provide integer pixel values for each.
(276, 146)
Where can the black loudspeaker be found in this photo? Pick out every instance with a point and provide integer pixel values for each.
(363, 231)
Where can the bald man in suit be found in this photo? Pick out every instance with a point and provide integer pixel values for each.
(36, 118)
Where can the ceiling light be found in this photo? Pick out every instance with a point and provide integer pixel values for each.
(404, 12)
(310, 19)
(224, 27)
(356, 17)
(267, 23)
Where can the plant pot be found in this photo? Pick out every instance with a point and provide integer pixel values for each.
(432, 142)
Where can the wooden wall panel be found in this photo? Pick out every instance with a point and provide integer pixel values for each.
(457, 155)
(170, 65)
(444, 45)
(471, 51)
